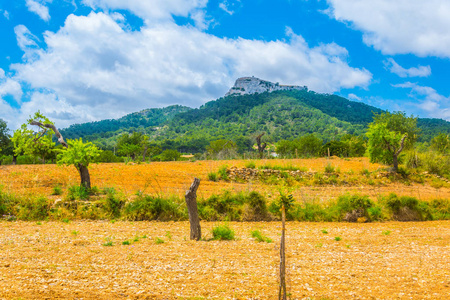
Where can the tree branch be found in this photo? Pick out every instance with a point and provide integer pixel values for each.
(402, 144)
(53, 127)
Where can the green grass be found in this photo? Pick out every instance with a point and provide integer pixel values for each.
(223, 233)
(338, 238)
(212, 176)
(159, 241)
(258, 236)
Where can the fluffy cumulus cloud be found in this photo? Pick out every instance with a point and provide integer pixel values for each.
(39, 8)
(394, 67)
(155, 10)
(430, 101)
(398, 27)
(93, 69)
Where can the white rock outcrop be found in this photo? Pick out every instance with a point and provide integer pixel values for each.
(253, 85)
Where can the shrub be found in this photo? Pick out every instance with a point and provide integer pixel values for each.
(113, 204)
(250, 165)
(352, 207)
(258, 236)
(33, 209)
(223, 173)
(77, 192)
(257, 207)
(147, 207)
(329, 168)
(223, 233)
(226, 206)
(407, 208)
(57, 190)
(212, 176)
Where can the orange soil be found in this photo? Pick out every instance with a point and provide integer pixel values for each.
(175, 177)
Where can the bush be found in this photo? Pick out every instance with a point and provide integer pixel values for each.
(258, 236)
(57, 190)
(250, 165)
(33, 209)
(223, 173)
(329, 168)
(226, 206)
(212, 176)
(407, 208)
(257, 207)
(113, 204)
(223, 233)
(77, 192)
(352, 208)
(146, 208)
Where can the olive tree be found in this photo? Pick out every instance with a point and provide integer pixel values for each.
(389, 134)
(74, 152)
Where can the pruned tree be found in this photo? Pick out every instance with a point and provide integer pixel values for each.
(261, 146)
(75, 152)
(389, 134)
(191, 202)
(133, 145)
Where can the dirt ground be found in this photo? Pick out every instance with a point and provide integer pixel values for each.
(174, 178)
(57, 260)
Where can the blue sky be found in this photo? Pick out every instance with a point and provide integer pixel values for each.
(86, 60)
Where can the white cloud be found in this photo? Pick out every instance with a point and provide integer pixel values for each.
(39, 8)
(5, 13)
(104, 71)
(398, 27)
(27, 42)
(436, 105)
(394, 67)
(152, 11)
(353, 97)
(9, 86)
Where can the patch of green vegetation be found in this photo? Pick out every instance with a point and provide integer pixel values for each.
(223, 233)
(258, 236)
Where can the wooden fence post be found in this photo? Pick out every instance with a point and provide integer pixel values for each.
(191, 202)
(282, 291)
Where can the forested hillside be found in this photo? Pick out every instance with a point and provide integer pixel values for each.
(282, 115)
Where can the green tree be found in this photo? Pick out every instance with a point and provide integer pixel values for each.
(389, 134)
(170, 155)
(75, 152)
(5, 138)
(36, 144)
(441, 143)
(132, 145)
(79, 155)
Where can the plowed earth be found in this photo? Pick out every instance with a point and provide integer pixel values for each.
(57, 260)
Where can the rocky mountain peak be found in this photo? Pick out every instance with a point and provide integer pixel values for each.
(253, 85)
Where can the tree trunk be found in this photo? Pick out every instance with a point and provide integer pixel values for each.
(14, 161)
(144, 154)
(395, 162)
(133, 156)
(191, 202)
(262, 146)
(85, 177)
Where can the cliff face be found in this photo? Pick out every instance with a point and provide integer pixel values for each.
(252, 85)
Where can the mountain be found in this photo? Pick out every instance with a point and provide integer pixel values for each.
(106, 128)
(253, 85)
(250, 107)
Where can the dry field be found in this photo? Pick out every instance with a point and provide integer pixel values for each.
(174, 178)
(57, 260)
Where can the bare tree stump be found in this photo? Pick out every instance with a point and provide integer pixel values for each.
(191, 202)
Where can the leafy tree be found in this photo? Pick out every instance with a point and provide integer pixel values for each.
(79, 155)
(441, 143)
(170, 155)
(75, 152)
(5, 139)
(389, 134)
(36, 144)
(132, 145)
